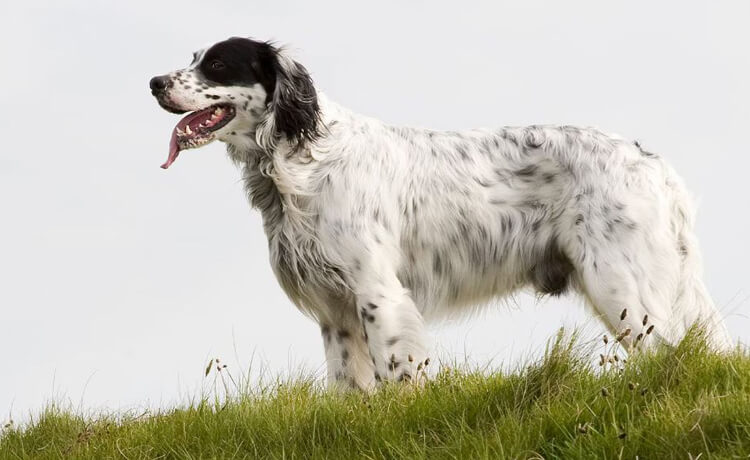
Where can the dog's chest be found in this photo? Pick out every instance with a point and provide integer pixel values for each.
(301, 266)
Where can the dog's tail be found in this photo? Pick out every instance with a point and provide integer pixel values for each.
(693, 305)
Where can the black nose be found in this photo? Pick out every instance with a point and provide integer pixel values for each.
(158, 83)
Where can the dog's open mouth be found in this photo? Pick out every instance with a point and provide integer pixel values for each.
(197, 129)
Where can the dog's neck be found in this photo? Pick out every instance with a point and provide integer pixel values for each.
(256, 166)
(269, 187)
(278, 178)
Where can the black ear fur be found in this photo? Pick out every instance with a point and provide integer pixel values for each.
(295, 106)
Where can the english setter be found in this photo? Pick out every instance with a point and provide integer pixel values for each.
(373, 228)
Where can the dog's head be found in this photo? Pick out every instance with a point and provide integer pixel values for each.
(235, 88)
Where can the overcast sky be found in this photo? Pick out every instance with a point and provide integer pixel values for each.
(119, 280)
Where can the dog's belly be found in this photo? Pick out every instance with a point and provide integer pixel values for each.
(456, 269)
(463, 250)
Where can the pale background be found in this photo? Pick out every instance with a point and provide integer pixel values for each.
(118, 280)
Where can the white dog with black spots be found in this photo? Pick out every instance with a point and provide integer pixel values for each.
(373, 229)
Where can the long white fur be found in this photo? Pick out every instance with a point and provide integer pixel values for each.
(373, 229)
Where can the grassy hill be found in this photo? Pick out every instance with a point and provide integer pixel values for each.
(681, 402)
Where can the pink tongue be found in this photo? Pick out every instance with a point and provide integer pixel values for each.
(174, 150)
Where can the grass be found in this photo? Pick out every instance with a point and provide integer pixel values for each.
(681, 402)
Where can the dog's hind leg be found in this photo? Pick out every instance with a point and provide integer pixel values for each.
(643, 258)
(628, 275)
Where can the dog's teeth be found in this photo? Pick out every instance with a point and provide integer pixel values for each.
(188, 130)
(180, 132)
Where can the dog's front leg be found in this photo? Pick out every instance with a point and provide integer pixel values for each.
(347, 357)
(393, 327)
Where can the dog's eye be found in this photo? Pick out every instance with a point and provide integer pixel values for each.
(217, 65)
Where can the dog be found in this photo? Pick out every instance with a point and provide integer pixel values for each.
(373, 229)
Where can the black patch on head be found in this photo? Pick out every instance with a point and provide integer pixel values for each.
(240, 62)
(289, 88)
(551, 273)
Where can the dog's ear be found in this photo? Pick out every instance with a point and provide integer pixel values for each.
(293, 110)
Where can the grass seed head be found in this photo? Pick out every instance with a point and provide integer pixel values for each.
(645, 319)
(631, 386)
(639, 337)
(427, 361)
(624, 314)
(605, 339)
(623, 334)
(605, 393)
(411, 359)
(650, 329)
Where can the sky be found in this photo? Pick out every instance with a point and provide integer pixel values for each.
(119, 280)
